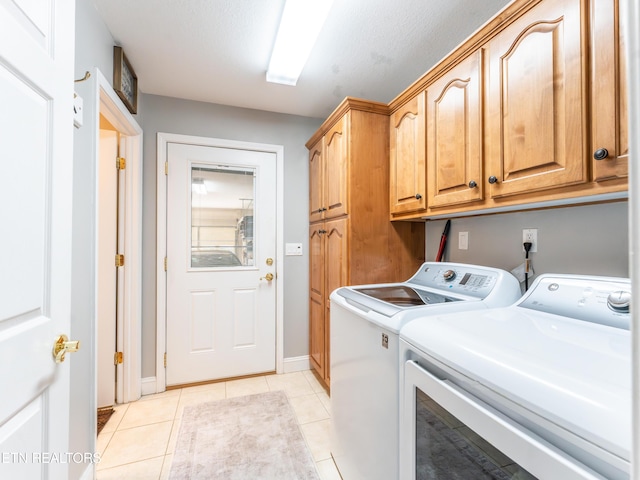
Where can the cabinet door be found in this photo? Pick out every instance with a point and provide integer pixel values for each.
(454, 135)
(336, 151)
(536, 115)
(337, 271)
(407, 157)
(316, 185)
(609, 92)
(316, 300)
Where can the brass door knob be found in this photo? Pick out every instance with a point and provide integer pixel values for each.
(63, 345)
(268, 277)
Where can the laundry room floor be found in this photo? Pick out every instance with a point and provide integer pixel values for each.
(139, 439)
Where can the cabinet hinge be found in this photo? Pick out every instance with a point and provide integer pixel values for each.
(119, 260)
(165, 264)
(121, 163)
(118, 358)
(165, 360)
(166, 168)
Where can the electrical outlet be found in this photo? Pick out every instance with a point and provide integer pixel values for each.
(530, 235)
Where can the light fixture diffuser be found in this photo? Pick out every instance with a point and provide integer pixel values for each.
(300, 25)
(198, 186)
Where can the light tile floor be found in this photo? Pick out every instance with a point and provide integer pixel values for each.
(140, 437)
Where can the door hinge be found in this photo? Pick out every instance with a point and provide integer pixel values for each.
(166, 168)
(121, 163)
(119, 260)
(165, 264)
(165, 360)
(118, 358)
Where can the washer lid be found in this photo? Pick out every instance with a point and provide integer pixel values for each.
(575, 374)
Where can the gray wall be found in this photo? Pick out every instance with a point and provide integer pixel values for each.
(590, 240)
(170, 115)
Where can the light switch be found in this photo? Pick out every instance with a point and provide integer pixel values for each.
(293, 249)
(77, 110)
(463, 241)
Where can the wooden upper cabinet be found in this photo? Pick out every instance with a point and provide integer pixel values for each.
(536, 119)
(407, 157)
(454, 135)
(316, 180)
(336, 154)
(609, 92)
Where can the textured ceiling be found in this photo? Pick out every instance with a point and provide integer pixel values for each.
(218, 50)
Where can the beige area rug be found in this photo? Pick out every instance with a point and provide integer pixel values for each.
(254, 437)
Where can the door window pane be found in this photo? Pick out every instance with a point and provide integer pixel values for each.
(222, 210)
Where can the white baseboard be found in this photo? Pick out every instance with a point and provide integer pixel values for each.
(148, 386)
(296, 364)
(89, 473)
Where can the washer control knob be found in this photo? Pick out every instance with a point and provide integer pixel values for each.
(619, 301)
(449, 275)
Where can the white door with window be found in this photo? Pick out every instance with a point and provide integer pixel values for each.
(221, 246)
(36, 94)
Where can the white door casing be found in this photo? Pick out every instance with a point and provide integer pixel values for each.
(163, 140)
(36, 94)
(220, 319)
(99, 93)
(107, 281)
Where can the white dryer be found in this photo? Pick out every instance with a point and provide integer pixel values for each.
(539, 389)
(365, 362)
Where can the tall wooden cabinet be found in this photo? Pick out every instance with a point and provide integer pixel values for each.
(351, 239)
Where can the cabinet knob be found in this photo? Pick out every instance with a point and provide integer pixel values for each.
(601, 154)
(493, 179)
(319, 210)
(473, 184)
(418, 196)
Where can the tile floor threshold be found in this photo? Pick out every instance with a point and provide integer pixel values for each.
(139, 439)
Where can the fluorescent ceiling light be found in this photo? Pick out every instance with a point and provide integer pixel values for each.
(198, 186)
(300, 25)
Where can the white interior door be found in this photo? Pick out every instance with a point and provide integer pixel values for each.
(107, 250)
(36, 94)
(221, 245)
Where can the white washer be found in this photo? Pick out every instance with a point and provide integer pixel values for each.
(546, 381)
(365, 362)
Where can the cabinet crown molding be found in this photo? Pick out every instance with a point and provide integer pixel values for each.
(348, 104)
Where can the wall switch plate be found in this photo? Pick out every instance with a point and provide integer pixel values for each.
(530, 235)
(293, 249)
(77, 110)
(463, 241)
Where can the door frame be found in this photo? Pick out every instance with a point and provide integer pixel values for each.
(129, 326)
(163, 140)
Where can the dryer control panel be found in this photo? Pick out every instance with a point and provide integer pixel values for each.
(461, 279)
(604, 300)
